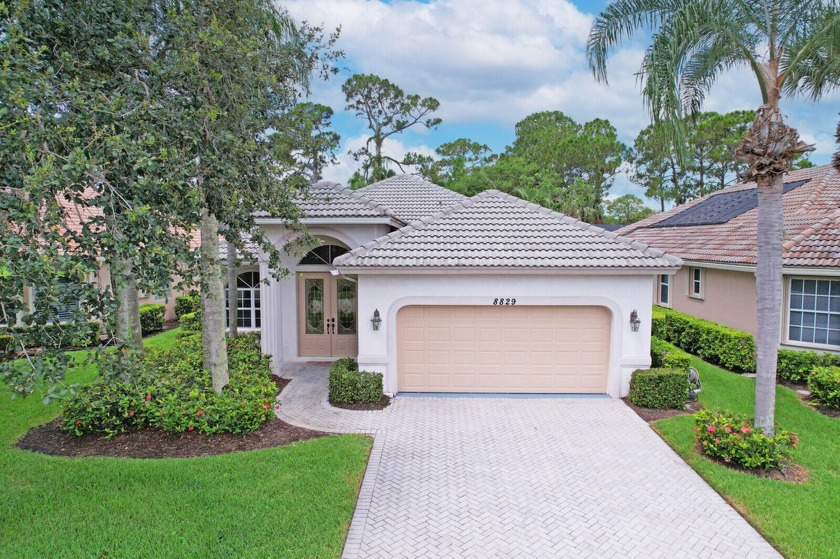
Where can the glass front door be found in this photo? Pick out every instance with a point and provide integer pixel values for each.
(327, 315)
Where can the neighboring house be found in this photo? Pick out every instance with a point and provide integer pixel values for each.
(716, 238)
(443, 293)
(76, 217)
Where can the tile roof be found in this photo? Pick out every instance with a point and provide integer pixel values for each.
(810, 226)
(496, 230)
(328, 199)
(411, 197)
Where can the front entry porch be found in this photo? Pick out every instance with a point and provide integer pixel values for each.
(327, 315)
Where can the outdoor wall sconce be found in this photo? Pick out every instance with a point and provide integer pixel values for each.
(634, 321)
(376, 320)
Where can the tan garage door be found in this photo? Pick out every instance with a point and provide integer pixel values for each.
(503, 349)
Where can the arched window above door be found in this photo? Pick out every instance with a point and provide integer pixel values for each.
(323, 255)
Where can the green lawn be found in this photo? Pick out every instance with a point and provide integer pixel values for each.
(800, 520)
(293, 501)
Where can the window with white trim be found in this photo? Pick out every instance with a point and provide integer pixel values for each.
(695, 283)
(665, 290)
(247, 300)
(814, 311)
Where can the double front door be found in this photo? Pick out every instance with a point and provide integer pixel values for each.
(327, 315)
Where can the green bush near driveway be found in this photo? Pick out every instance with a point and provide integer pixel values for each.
(824, 385)
(151, 318)
(659, 388)
(796, 366)
(719, 344)
(294, 501)
(799, 519)
(185, 304)
(174, 393)
(733, 439)
(668, 356)
(348, 385)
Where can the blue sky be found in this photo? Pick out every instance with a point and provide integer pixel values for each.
(493, 62)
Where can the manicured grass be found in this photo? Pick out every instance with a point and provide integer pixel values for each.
(798, 519)
(293, 501)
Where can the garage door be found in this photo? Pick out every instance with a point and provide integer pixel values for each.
(503, 349)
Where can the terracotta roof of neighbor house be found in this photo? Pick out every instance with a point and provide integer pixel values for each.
(411, 197)
(721, 227)
(497, 230)
(329, 199)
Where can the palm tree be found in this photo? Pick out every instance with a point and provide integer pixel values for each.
(791, 47)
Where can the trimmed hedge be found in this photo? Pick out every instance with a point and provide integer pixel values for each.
(796, 366)
(668, 356)
(191, 322)
(824, 385)
(722, 345)
(731, 348)
(348, 385)
(659, 388)
(733, 439)
(151, 317)
(175, 393)
(185, 304)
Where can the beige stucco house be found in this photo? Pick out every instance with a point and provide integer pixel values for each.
(716, 238)
(443, 293)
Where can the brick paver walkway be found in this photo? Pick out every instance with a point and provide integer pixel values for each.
(507, 477)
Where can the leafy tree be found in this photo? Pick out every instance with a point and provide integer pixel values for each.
(790, 46)
(656, 165)
(712, 141)
(627, 209)
(229, 71)
(306, 139)
(86, 179)
(387, 110)
(455, 161)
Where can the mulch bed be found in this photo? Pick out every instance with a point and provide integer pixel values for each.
(154, 443)
(793, 472)
(383, 403)
(651, 415)
(809, 401)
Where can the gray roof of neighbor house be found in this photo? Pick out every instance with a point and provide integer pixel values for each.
(722, 227)
(411, 197)
(497, 230)
(328, 199)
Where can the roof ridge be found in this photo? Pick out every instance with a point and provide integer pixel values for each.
(417, 225)
(379, 184)
(381, 208)
(812, 230)
(645, 249)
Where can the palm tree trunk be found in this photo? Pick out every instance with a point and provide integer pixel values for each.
(213, 304)
(768, 284)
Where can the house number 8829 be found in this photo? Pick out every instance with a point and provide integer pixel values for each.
(501, 301)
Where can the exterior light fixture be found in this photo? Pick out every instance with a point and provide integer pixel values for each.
(376, 320)
(334, 271)
(634, 321)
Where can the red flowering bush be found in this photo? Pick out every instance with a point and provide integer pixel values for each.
(175, 393)
(733, 439)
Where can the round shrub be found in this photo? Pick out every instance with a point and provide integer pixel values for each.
(191, 322)
(824, 385)
(174, 393)
(348, 385)
(151, 317)
(733, 439)
(185, 304)
(659, 388)
(668, 356)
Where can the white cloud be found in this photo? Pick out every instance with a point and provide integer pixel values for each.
(497, 61)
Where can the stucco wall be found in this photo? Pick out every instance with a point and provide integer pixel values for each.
(279, 298)
(620, 294)
(728, 298)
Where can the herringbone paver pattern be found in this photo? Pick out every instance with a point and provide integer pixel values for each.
(501, 477)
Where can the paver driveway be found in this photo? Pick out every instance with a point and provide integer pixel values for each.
(521, 477)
